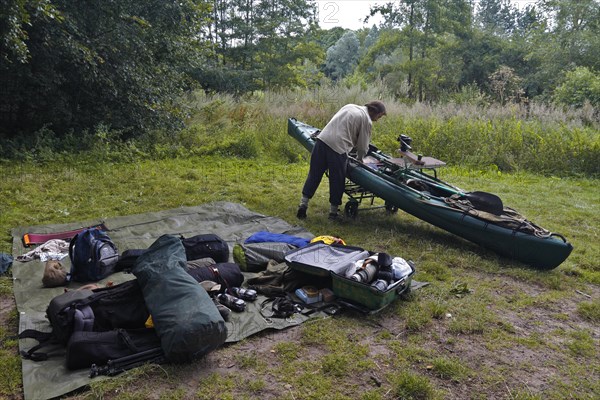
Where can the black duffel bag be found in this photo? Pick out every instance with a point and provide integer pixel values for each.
(87, 348)
(204, 246)
(227, 274)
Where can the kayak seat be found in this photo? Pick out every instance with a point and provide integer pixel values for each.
(419, 185)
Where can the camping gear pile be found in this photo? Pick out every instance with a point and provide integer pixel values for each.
(185, 289)
(134, 235)
(163, 315)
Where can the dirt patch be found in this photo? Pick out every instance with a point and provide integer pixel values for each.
(7, 305)
(537, 335)
(531, 364)
(533, 360)
(525, 352)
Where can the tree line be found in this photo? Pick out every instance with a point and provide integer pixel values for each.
(71, 66)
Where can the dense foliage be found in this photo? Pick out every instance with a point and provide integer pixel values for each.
(72, 65)
(120, 69)
(505, 138)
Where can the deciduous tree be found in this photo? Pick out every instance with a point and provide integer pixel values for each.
(342, 57)
(74, 65)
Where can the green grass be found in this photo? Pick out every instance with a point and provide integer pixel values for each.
(582, 343)
(5, 286)
(450, 369)
(249, 360)
(216, 386)
(590, 310)
(287, 351)
(496, 306)
(410, 386)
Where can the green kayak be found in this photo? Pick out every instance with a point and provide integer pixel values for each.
(479, 217)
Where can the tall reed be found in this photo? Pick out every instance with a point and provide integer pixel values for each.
(508, 138)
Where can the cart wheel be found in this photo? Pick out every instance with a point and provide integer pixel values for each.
(391, 209)
(351, 209)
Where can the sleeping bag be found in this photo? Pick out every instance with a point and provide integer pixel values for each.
(185, 317)
(254, 257)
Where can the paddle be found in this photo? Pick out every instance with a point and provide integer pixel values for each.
(483, 201)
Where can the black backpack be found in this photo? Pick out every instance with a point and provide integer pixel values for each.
(93, 256)
(100, 310)
(111, 352)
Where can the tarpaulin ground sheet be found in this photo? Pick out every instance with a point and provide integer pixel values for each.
(232, 222)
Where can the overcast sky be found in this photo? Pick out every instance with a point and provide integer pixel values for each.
(350, 13)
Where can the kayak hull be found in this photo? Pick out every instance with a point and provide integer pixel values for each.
(541, 252)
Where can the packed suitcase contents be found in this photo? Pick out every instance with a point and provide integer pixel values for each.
(185, 291)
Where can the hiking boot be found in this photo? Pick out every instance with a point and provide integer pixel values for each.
(334, 217)
(301, 213)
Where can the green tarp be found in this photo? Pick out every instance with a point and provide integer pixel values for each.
(232, 222)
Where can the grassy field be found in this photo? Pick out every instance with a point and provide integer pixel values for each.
(486, 327)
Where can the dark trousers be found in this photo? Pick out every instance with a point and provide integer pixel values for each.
(322, 159)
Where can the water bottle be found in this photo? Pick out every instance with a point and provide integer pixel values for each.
(244, 294)
(232, 302)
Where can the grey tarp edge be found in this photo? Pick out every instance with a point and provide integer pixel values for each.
(233, 222)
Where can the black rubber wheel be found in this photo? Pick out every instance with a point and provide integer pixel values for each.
(390, 209)
(351, 209)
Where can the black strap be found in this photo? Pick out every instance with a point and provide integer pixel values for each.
(37, 335)
(281, 307)
(44, 339)
(220, 278)
(33, 355)
(126, 339)
(71, 257)
(327, 308)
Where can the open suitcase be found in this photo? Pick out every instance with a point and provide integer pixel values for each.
(334, 261)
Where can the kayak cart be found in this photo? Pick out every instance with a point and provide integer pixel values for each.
(357, 195)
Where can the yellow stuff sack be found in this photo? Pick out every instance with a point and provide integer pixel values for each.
(328, 240)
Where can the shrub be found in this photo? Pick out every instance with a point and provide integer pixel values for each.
(580, 86)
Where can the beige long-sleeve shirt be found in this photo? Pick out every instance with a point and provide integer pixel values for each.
(349, 128)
